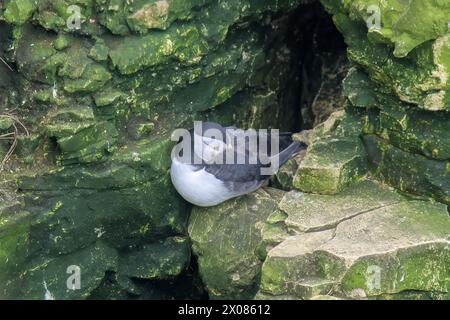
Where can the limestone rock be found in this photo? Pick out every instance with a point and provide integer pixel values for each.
(409, 172)
(399, 87)
(228, 238)
(389, 246)
(366, 242)
(313, 212)
(423, 82)
(161, 260)
(285, 176)
(410, 129)
(90, 187)
(335, 157)
(101, 102)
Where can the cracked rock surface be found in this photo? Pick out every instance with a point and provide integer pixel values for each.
(364, 242)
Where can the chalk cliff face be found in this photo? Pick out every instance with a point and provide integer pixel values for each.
(87, 107)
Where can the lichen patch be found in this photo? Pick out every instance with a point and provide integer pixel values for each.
(153, 15)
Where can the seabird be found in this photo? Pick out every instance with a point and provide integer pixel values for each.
(212, 164)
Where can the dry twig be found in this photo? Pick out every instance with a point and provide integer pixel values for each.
(6, 64)
(12, 136)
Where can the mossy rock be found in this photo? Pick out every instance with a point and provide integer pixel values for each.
(226, 240)
(416, 69)
(409, 172)
(335, 156)
(387, 247)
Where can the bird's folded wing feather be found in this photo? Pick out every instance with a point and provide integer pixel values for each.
(234, 172)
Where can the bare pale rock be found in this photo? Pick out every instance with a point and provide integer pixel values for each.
(312, 212)
(389, 246)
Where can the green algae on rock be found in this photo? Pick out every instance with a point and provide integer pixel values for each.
(163, 260)
(401, 93)
(417, 70)
(18, 12)
(330, 166)
(401, 250)
(408, 128)
(101, 101)
(365, 242)
(397, 16)
(409, 172)
(335, 157)
(229, 236)
(303, 209)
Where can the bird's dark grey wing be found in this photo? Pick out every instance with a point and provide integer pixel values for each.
(239, 173)
(250, 172)
(284, 141)
(236, 172)
(239, 179)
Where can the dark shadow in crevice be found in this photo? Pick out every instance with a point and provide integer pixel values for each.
(322, 65)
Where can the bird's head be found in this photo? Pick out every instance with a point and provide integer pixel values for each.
(206, 142)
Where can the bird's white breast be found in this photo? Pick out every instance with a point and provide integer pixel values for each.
(198, 187)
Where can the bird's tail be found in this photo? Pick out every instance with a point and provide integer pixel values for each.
(291, 151)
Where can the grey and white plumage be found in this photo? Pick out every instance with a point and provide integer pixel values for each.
(208, 184)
